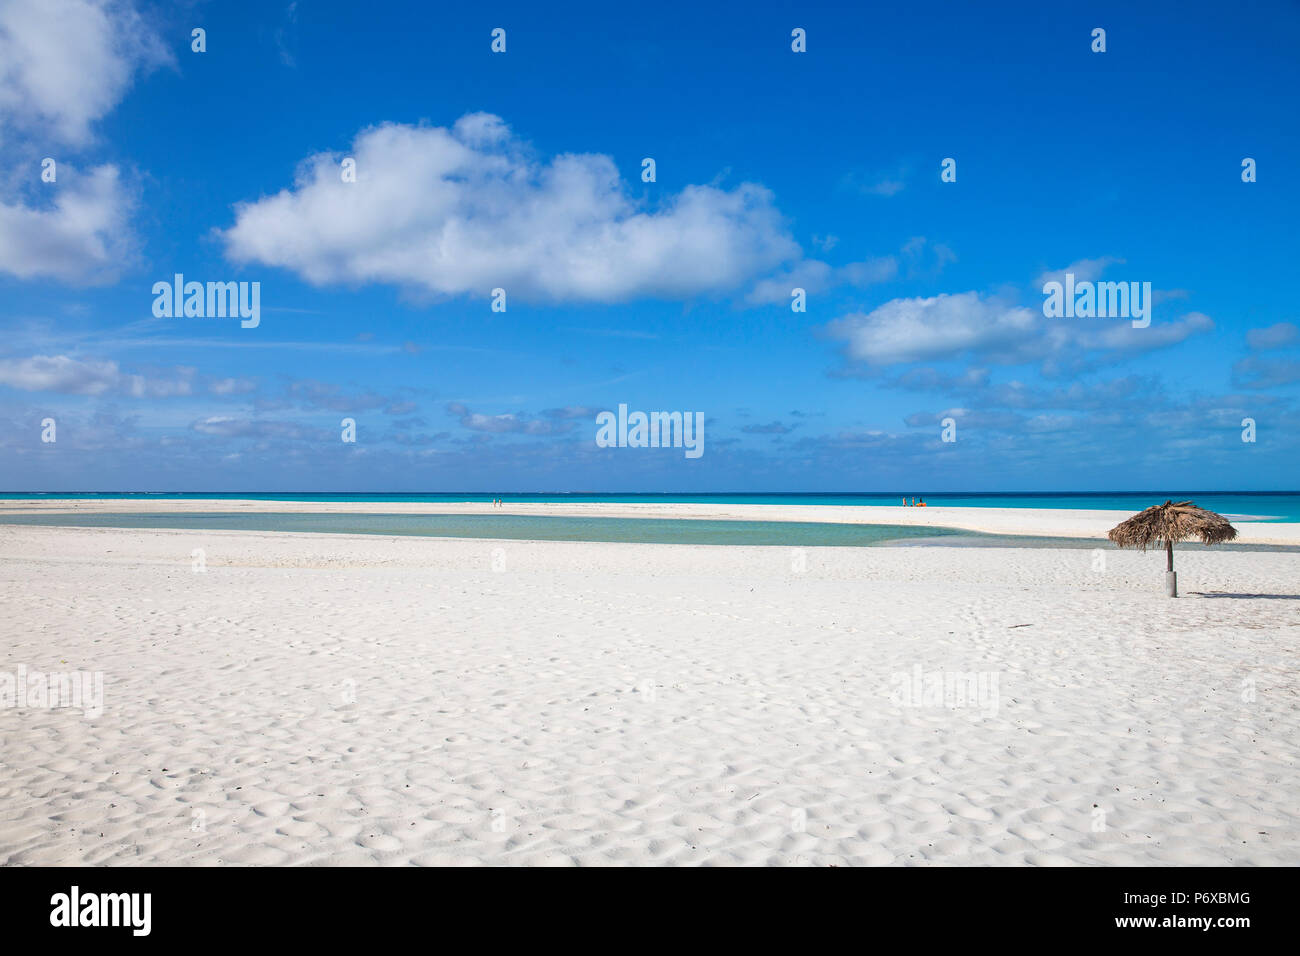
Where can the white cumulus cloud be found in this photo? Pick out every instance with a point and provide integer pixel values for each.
(992, 331)
(80, 235)
(66, 63)
(468, 209)
(941, 326)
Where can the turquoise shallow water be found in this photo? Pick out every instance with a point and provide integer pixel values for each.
(1262, 505)
(562, 528)
(515, 527)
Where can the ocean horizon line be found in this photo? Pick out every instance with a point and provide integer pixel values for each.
(680, 494)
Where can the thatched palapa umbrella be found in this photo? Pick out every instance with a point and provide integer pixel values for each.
(1164, 524)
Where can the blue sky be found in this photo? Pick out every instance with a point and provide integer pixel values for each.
(522, 170)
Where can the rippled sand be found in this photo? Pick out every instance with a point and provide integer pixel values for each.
(324, 699)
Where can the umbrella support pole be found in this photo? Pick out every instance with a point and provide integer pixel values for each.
(1171, 583)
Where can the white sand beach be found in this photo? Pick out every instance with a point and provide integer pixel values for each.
(338, 699)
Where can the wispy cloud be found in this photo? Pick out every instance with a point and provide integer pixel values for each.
(1254, 371)
(876, 184)
(613, 333)
(919, 257)
(1279, 336)
(229, 426)
(73, 376)
(771, 428)
(1083, 270)
(509, 423)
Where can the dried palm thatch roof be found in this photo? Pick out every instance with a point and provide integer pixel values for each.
(1162, 525)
